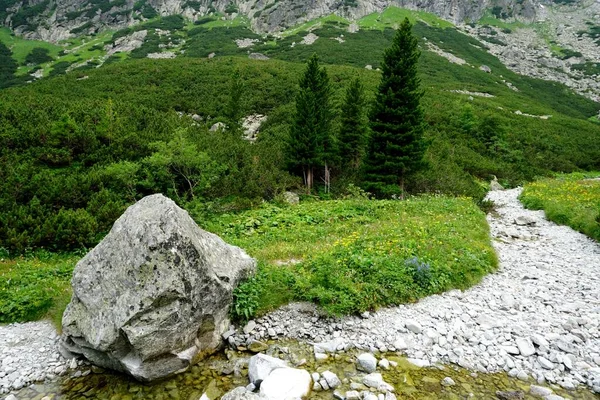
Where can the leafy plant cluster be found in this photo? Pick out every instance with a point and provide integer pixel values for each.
(572, 200)
(34, 286)
(381, 253)
(97, 156)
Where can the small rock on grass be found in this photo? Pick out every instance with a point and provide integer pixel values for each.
(447, 381)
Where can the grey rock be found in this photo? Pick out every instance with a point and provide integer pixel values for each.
(338, 395)
(332, 379)
(373, 380)
(261, 365)
(545, 363)
(241, 393)
(495, 185)
(257, 346)
(485, 68)
(219, 126)
(413, 326)
(447, 381)
(352, 395)
(154, 295)
(510, 395)
(249, 327)
(366, 362)
(258, 56)
(539, 391)
(525, 347)
(291, 198)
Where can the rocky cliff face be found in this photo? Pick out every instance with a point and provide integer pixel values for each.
(54, 20)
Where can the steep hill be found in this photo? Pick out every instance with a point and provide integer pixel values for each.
(556, 41)
(53, 21)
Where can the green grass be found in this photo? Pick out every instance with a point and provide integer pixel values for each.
(307, 26)
(354, 255)
(392, 16)
(572, 200)
(21, 47)
(489, 19)
(35, 286)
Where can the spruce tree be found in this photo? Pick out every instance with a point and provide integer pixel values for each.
(397, 145)
(233, 110)
(354, 128)
(310, 143)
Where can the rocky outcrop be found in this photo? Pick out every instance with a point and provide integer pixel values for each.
(57, 20)
(153, 297)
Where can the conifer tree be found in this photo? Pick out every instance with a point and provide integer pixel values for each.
(354, 128)
(233, 110)
(397, 145)
(311, 143)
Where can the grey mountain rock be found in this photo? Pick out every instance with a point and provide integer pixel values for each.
(153, 297)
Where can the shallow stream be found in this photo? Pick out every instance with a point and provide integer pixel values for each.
(228, 369)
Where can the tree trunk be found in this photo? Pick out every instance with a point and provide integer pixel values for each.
(309, 179)
(402, 186)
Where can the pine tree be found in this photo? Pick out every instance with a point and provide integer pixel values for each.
(233, 110)
(354, 128)
(311, 143)
(397, 145)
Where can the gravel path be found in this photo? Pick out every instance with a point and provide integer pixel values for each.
(29, 353)
(537, 318)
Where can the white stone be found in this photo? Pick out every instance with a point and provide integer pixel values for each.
(413, 326)
(332, 379)
(373, 380)
(539, 391)
(261, 365)
(447, 381)
(286, 383)
(366, 362)
(545, 363)
(525, 347)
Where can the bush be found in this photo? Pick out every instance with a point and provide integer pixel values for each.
(38, 56)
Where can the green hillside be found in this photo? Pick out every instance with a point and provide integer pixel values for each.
(82, 146)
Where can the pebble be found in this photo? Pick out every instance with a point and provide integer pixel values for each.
(366, 362)
(447, 381)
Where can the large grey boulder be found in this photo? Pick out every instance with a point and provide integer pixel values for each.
(153, 297)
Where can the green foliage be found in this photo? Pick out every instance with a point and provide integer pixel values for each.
(38, 56)
(311, 143)
(354, 130)
(8, 67)
(396, 144)
(60, 148)
(231, 8)
(179, 164)
(234, 112)
(355, 255)
(571, 200)
(34, 286)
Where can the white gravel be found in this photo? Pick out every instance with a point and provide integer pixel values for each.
(29, 353)
(536, 318)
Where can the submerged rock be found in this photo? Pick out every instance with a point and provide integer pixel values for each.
(153, 297)
(286, 383)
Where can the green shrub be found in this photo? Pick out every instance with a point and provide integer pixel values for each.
(568, 200)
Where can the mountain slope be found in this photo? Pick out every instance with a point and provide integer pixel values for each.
(54, 21)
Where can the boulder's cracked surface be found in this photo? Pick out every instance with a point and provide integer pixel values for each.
(153, 297)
